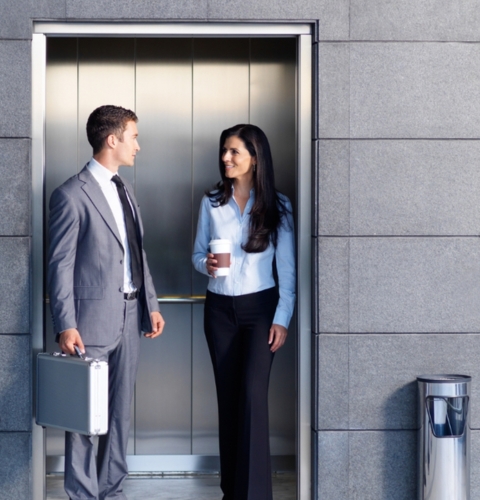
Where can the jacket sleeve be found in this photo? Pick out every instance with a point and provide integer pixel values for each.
(63, 233)
(151, 301)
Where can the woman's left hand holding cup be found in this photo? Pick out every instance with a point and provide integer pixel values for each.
(211, 265)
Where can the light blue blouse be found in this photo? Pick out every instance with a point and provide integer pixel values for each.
(249, 272)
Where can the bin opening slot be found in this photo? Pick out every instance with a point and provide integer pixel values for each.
(447, 416)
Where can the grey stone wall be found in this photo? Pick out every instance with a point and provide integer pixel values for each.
(15, 241)
(397, 243)
(396, 222)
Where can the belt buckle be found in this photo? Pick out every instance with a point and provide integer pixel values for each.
(130, 295)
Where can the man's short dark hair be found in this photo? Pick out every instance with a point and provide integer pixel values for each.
(105, 121)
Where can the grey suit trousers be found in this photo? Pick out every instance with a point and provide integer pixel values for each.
(102, 479)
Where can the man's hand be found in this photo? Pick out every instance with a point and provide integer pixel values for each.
(277, 337)
(70, 338)
(157, 324)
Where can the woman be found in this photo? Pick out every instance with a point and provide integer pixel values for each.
(246, 315)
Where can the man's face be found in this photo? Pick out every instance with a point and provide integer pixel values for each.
(128, 147)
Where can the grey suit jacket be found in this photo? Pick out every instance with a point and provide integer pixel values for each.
(85, 268)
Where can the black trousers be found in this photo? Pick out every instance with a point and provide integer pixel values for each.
(237, 331)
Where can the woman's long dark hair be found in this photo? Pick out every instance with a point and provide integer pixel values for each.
(268, 209)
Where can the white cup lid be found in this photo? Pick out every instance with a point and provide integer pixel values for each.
(219, 242)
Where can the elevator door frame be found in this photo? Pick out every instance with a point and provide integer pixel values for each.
(303, 35)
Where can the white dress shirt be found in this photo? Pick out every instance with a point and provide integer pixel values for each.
(104, 178)
(249, 272)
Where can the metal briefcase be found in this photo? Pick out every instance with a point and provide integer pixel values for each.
(72, 393)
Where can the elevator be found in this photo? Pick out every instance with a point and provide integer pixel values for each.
(185, 91)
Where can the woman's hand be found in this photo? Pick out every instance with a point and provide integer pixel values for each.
(211, 265)
(277, 337)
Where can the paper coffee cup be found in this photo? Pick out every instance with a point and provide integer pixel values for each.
(221, 252)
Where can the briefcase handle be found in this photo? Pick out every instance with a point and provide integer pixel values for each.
(79, 354)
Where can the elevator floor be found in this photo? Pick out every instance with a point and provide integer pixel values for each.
(177, 487)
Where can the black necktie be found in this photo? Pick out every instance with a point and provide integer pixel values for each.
(132, 234)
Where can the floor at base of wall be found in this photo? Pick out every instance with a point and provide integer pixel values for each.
(177, 487)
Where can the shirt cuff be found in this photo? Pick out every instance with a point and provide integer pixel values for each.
(281, 318)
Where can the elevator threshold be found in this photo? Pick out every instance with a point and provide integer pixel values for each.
(177, 487)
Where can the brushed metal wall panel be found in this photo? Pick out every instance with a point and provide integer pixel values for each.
(106, 75)
(273, 104)
(61, 112)
(204, 396)
(164, 164)
(164, 387)
(220, 100)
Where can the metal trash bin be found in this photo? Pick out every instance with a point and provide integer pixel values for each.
(444, 437)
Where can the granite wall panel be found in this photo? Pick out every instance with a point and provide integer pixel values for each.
(412, 285)
(15, 463)
(332, 466)
(368, 382)
(367, 465)
(332, 15)
(429, 20)
(333, 90)
(383, 370)
(15, 285)
(414, 90)
(15, 182)
(54, 10)
(138, 10)
(14, 20)
(332, 191)
(331, 388)
(15, 383)
(331, 283)
(15, 78)
(413, 187)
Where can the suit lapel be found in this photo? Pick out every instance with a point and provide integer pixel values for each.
(94, 192)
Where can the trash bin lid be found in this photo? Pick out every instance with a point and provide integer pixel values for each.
(447, 379)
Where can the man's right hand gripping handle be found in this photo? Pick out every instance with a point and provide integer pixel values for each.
(70, 338)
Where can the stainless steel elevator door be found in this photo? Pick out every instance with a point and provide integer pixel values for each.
(185, 91)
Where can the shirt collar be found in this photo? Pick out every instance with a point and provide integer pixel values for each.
(100, 173)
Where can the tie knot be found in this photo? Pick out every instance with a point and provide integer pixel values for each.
(116, 179)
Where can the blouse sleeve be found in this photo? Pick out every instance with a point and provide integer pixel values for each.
(200, 248)
(285, 259)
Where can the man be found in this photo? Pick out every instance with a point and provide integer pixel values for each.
(101, 292)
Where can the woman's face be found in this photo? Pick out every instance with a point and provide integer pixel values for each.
(237, 160)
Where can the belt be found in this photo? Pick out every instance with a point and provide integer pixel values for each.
(130, 295)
